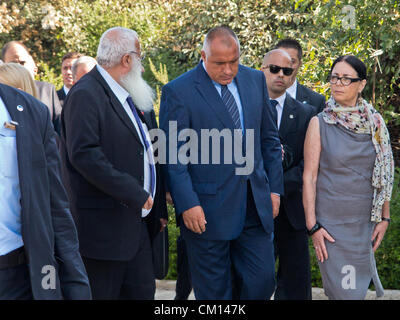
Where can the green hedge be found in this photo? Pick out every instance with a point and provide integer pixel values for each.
(387, 256)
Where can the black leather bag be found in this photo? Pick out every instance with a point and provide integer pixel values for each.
(161, 254)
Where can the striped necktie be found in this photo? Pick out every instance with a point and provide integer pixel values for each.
(231, 105)
(147, 145)
(274, 103)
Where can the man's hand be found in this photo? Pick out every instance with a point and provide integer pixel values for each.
(276, 202)
(194, 219)
(148, 204)
(163, 224)
(169, 198)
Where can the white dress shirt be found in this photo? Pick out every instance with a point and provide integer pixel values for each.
(292, 90)
(279, 107)
(66, 90)
(122, 95)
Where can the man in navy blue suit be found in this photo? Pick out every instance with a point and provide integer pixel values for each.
(39, 250)
(225, 214)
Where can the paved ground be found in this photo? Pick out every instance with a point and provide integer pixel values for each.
(166, 291)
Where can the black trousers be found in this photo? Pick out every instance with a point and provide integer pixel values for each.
(15, 283)
(291, 251)
(124, 280)
(183, 281)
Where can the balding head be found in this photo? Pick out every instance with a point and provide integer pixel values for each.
(16, 51)
(277, 68)
(276, 53)
(220, 54)
(114, 44)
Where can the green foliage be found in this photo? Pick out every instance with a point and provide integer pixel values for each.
(173, 234)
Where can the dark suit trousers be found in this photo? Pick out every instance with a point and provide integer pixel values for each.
(245, 265)
(124, 280)
(15, 283)
(291, 250)
(183, 282)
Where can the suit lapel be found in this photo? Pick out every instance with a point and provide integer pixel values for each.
(301, 94)
(288, 120)
(116, 105)
(244, 90)
(24, 156)
(206, 88)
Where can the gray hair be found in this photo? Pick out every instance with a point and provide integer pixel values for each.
(223, 32)
(82, 60)
(114, 43)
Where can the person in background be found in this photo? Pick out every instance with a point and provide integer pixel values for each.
(66, 65)
(15, 75)
(347, 184)
(16, 51)
(290, 233)
(296, 89)
(82, 66)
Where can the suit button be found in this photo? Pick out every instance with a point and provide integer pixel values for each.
(141, 153)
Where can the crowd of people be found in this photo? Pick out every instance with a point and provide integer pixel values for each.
(83, 195)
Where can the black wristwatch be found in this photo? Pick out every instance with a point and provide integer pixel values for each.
(314, 229)
(386, 219)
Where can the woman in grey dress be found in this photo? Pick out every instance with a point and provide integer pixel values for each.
(347, 184)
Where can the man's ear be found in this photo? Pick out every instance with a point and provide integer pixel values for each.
(203, 55)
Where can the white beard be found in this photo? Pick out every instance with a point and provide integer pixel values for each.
(141, 93)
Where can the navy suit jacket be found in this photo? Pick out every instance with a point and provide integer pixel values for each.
(292, 131)
(48, 230)
(308, 96)
(193, 102)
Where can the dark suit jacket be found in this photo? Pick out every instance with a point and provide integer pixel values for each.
(47, 94)
(292, 131)
(61, 96)
(306, 95)
(193, 102)
(48, 231)
(103, 171)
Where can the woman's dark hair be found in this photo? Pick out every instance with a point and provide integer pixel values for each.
(356, 63)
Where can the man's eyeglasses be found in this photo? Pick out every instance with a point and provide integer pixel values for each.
(141, 57)
(275, 69)
(346, 81)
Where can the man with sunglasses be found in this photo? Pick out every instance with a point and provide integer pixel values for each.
(291, 240)
(295, 89)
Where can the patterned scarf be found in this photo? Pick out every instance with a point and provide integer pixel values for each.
(363, 118)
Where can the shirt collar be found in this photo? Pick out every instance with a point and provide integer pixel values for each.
(115, 87)
(292, 90)
(281, 100)
(66, 90)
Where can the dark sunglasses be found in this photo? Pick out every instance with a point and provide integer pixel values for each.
(275, 69)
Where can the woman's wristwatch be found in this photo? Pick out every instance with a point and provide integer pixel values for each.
(386, 219)
(314, 229)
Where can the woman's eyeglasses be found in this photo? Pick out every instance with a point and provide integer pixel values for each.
(275, 69)
(346, 81)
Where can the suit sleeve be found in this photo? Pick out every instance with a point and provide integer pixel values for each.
(72, 273)
(81, 131)
(178, 179)
(271, 145)
(56, 109)
(293, 177)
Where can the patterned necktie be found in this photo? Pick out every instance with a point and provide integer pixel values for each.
(274, 103)
(231, 105)
(146, 143)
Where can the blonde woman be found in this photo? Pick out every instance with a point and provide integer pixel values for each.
(15, 75)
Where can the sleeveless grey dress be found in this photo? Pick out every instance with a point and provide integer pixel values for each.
(344, 197)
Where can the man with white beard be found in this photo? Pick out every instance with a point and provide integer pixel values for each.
(116, 191)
